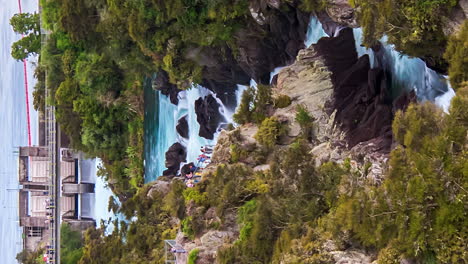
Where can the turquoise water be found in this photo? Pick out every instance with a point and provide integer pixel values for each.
(160, 133)
(13, 129)
(161, 117)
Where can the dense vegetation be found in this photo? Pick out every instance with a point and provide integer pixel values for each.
(71, 246)
(297, 212)
(414, 26)
(30, 257)
(140, 241)
(457, 55)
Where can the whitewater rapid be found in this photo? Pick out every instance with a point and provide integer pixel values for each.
(408, 73)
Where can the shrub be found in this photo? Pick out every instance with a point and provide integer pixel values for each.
(457, 56)
(282, 101)
(187, 227)
(193, 255)
(193, 194)
(269, 132)
(237, 153)
(174, 202)
(244, 219)
(254, 105)
(313, 5)
(243, 114)
(414, 27)
(306, 121)
(262, 101)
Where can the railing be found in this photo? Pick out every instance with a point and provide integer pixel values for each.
(51, 143)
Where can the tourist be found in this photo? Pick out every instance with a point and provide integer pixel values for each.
(190, 183)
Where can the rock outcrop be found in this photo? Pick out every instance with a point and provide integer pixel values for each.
(341, 12)
(174, 156)
(336, 87)
(352, 257)
(182, 127)
(271, 39)
(160, 186)
(161, 83)
(208, 116)
(361, 98)
(457, 16)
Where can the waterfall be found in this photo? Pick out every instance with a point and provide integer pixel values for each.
(88, 200)
(275, 71)
(407, 73)
(314, 32)
(87, 173)
(195, 141)
(163, 134)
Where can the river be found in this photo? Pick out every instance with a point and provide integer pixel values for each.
(161, 116)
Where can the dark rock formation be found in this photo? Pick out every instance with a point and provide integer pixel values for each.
(402, 102)
(274, 42)
(161, 83)
(174, 156)
(360, 97)
(182, 127)
(221, 72)
(208, 116)
(186, 168)
(264, 44)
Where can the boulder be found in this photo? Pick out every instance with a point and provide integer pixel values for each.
(221, 73)
(456, 17)
(403, 101)
(159, 186)
(351, 257)
(186, 168)
(175, 155)
(214, 239)
(341, 12)
(161, 83)
(208, 116)
(182, 127)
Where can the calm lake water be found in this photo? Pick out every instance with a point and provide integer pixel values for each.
(13, 129)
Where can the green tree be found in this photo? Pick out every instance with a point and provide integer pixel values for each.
(26, 24)
(269, 132)
(25, 47)
(457, 57)
(71, 248)
(29, 257)
(243, 114)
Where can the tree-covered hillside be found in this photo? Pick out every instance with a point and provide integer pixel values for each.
(94, 60)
